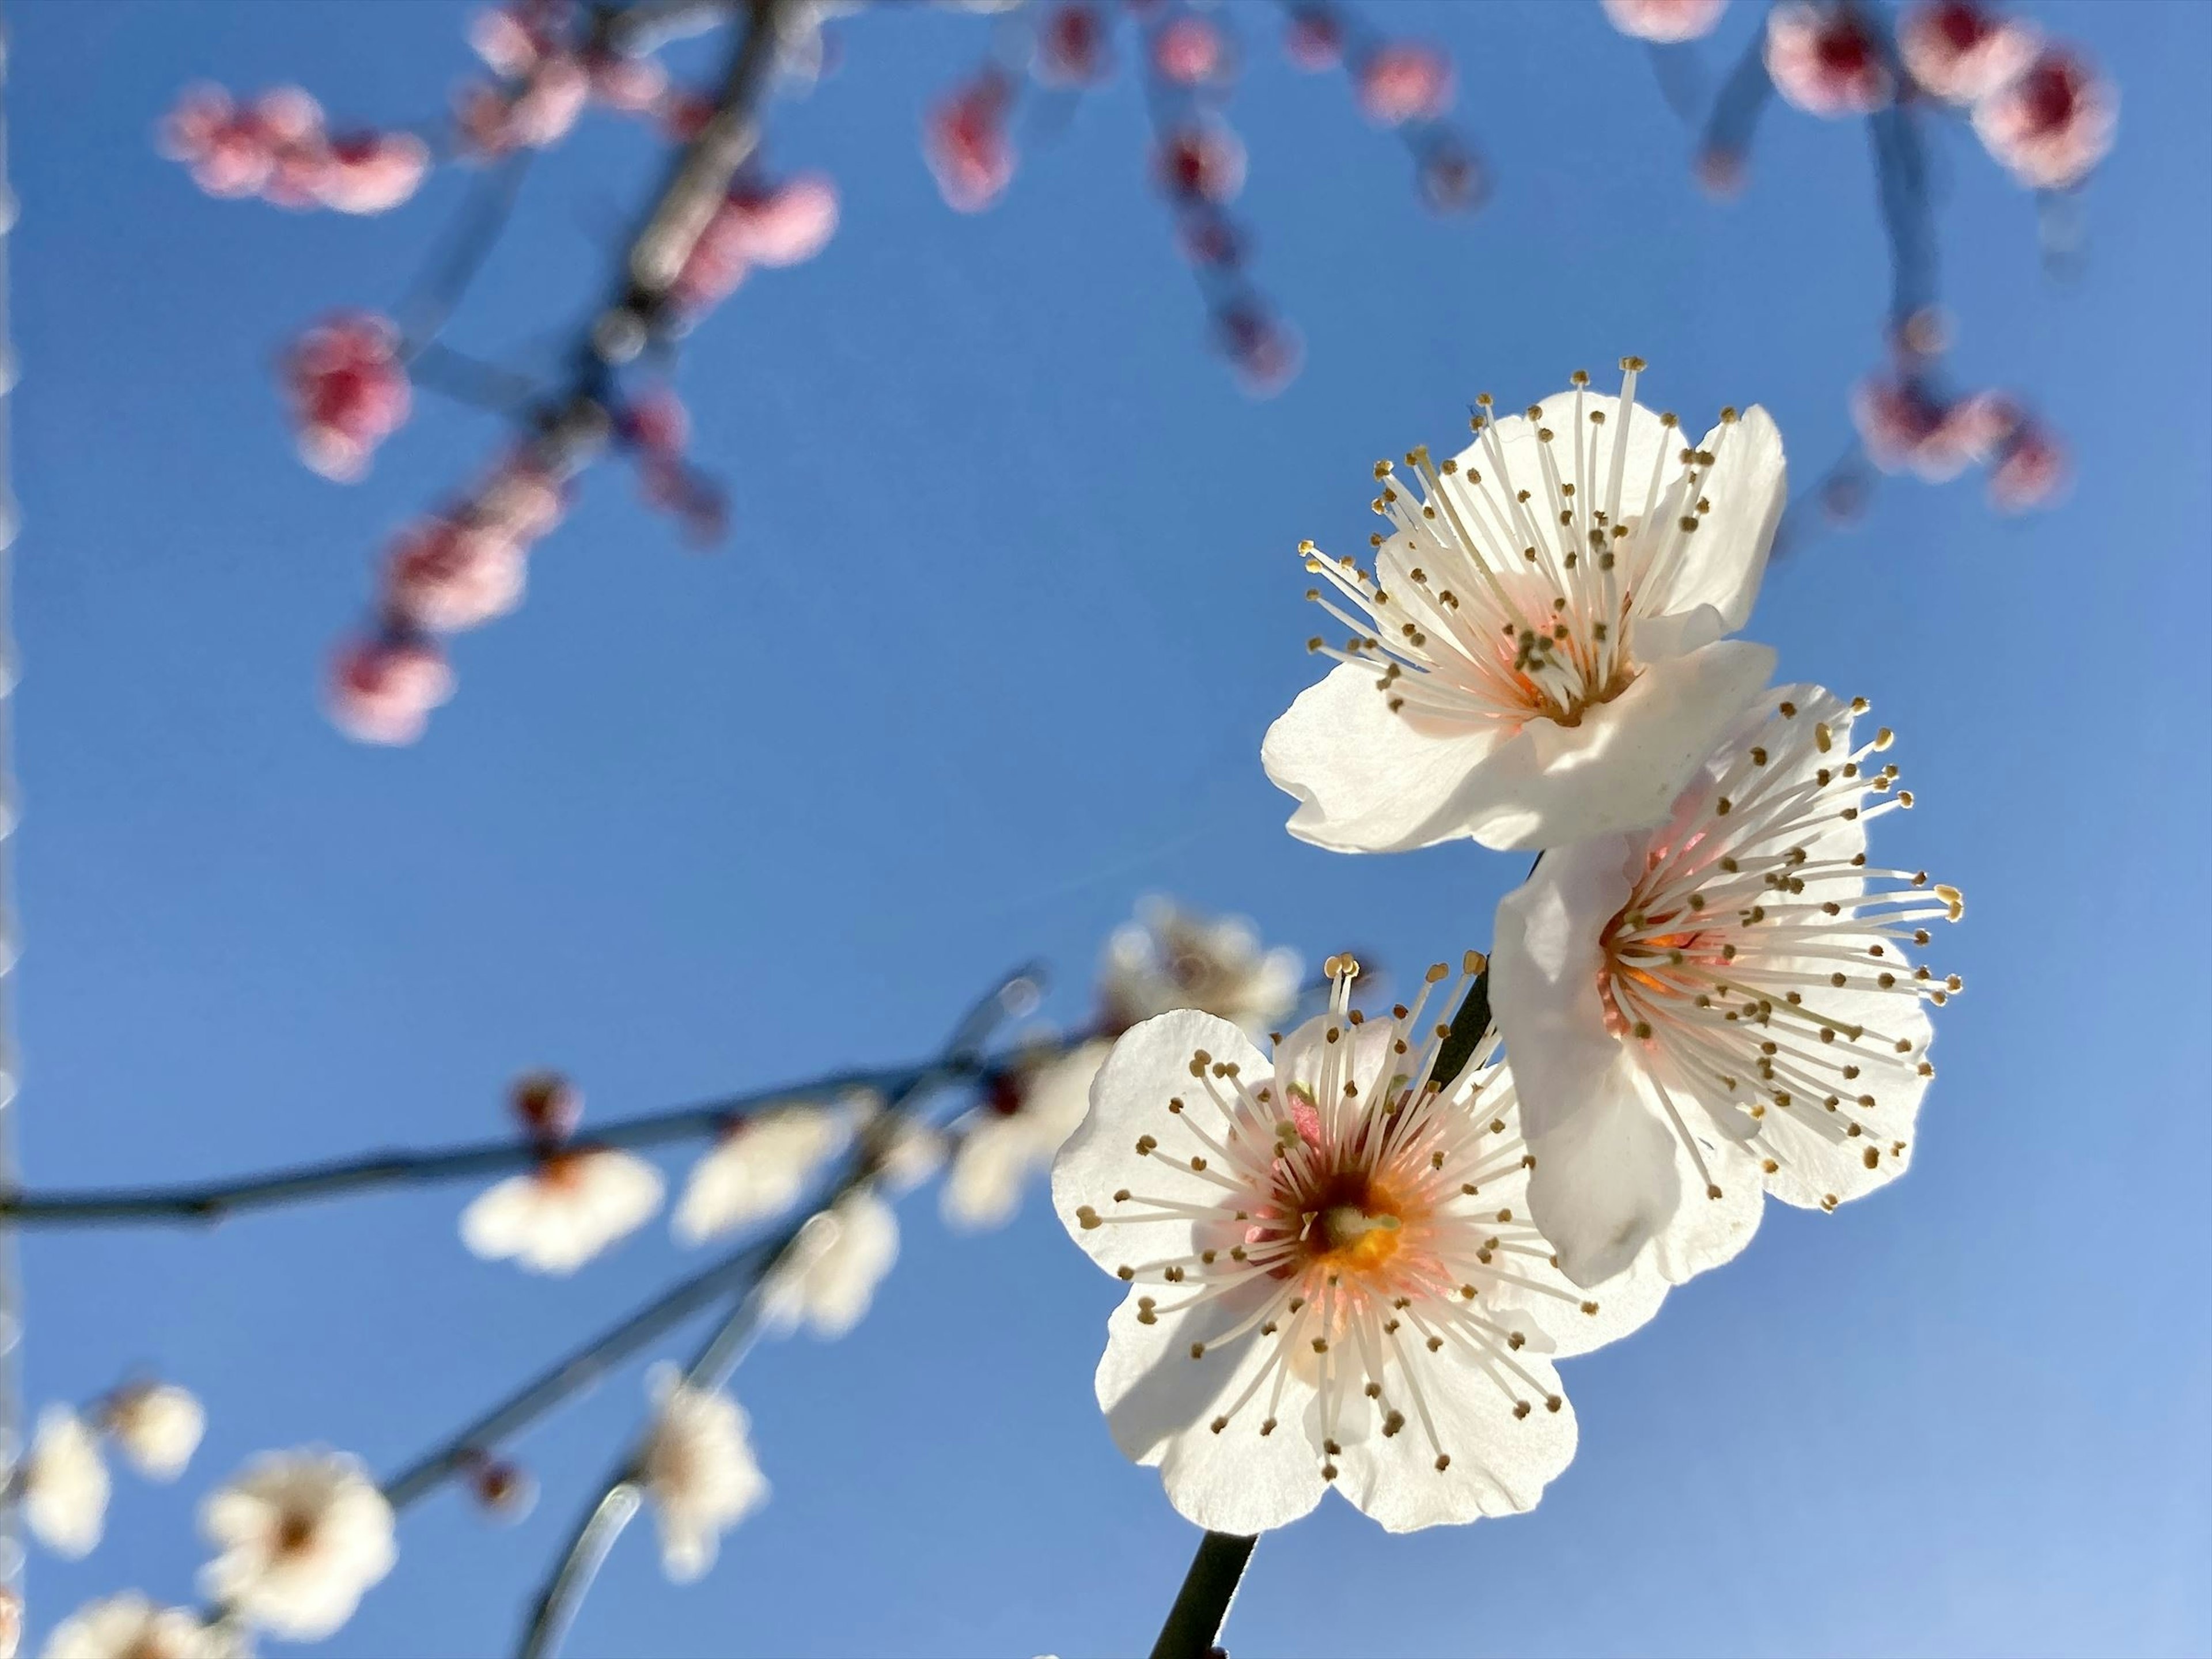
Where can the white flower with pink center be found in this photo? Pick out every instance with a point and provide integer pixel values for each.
(1333, 1280)
(1026, 1119)
(301, 1536)
(572, 1207)
(1826, 59)
(2052, 124)
(157, 1426)
(1539, 653)
(1962, 51)
(1724, 1005)
(1665, 21)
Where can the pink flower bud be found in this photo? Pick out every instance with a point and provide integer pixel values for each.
(788, 223)
(964, 141)
(444, 576)
(1720, 173)
(1072, 46)
(348, 391)
(547, 1105)
(656, 420)
(633, 85)
(1825, 59)
(1665, 21)
(549, 106)
(382, 690)
(1189, 51)
(1404, 82)
(2053, 125)
(288, 115)
(1451, 179)
(1904, 429)
(1200, 160)
(508, 45)
(1960, 51)
(1264, 351)
(1313, 40)
(521, 504)
(373, 172)
(2032, 469)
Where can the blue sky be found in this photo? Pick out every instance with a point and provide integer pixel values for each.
(1008, 602)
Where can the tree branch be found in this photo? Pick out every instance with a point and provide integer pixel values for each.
(1194, 1623)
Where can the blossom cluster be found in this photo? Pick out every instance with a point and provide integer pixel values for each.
(1356, 1255)
(278, 147)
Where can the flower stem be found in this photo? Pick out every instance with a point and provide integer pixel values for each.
(1194, 1623)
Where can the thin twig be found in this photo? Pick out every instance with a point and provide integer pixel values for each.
(438, 292)
(1201, 1606)
(1901, 164)
(555, 1607)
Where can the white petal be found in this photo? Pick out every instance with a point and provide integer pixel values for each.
(1727, 559)
(1369, 780)
(1624, 764)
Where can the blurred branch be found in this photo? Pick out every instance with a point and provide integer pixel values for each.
(1201, 1606)
(1900, 163)
(622, 1495)
(423, 315)
(1735, 111)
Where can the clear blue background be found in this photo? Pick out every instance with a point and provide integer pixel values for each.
(1009, 601)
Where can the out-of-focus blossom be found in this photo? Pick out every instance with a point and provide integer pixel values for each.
(1528, 702)
(382, 690)
(157, 1426)
(1720, 173)
(902, 1150)
(965, 141)
(301, 1536)
(1264, 351)
(1170, 957)
(1825, 58)
(63, 1484)
(1072, 46)
(698, 1472)
(2031, 469)
(1403, 80)
(1210, 239)
(1665, 21)
(549, 1106)
(830, 1277)
(1030, 1114)
(447, 576)
(762, 1166)
(1451, 179)
(787, 223)
(501, 1489)
(2053, 123)
(633, 85)
(130, 1626)
(373, 172)
(558, 1216)
(522, 501)
(1904, 427)
(1962, 51)
(223, 145)
(348, 391)
(1723, 1004)
(1333, 1281)
(1312, 39)
(1200, 161)
(1189, 51)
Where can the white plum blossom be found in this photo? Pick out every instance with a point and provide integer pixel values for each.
(1722, 1005)
(831, 1274)
(1540, 655)
(1665, 21)
(130, 1626)
(1332, 1277)
(561, 1213)
(1017, 1133)
(156, 1426)
(1170, 958)
(301, 1536)
(64, 1483)
(761, 1167)
(698, 1472)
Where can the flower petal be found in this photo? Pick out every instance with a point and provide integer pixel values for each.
(1748, 488)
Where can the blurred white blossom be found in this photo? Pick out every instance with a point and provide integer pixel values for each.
(561, 1214)
(1016, 1132)
(157, 1426)
(698, 1471)
(301, 1536)
(831, 1274)
(1170, 957)
(759, 1168)
(64, 1483)
(130, 1626)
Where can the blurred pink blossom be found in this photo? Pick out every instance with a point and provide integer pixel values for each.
(1189, 51)
(1200, 160)
(1451, 179)
(1825, 59)
(1265, 351)
(965, 143)
(1665, 21)
(2030, 470)
(382, 690)
(1904, 429)
(1312, 39)
(444, 576)
(1404, 81)
(373, 172)
(789, 223)
(348, 391)
(1072, 46)
(2053, 123)
(1962, 51)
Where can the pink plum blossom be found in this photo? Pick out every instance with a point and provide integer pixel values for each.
(382, 690)
(1189, 51)
(1665, 21)
(1313, 40)
(964, 139)
(1905, 429)
(447, 576)
(1200, 160)
(348, 391)
(1404, 82)
(1072, 46)
(2053, 125)
(1825, 59)
(1960, 51)
(373, 172)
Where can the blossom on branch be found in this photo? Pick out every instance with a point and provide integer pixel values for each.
(1724, 1003)
(1028, 1115)
(1962, 51)
(1170, 958)
(761, 1167)
(382, 689)
(156, 1426)
(277, 147)
(444, 575)
(698, 1472)
(832, 1273)
(1665, 21)
(1403, 81)
(1541, 657)
(1332, 1277)
(2053, 123)
(348, 391)
(1904, 427)
(300, 1537)
(565, 1212)
(966, 143)
(63, 1484)
(1825, 58)
(130, 1626)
